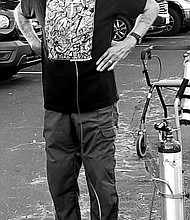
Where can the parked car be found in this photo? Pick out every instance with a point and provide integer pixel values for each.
(179, 11)
(15, 52)
(123, 25)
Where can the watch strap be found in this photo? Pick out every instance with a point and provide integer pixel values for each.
(137, 37)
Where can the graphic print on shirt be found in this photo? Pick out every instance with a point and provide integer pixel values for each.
(69, 26)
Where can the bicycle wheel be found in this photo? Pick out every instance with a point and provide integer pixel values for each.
(141, 145)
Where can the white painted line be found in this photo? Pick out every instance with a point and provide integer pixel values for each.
(172, 37)
(35, 72)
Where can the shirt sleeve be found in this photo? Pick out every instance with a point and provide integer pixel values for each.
(131, 8)
(28, 9)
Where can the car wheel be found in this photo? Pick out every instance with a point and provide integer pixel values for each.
(174, 25)
(122, 26)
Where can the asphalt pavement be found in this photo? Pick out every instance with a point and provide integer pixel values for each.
(24, 192)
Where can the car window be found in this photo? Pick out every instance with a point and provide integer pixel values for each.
(9, 4)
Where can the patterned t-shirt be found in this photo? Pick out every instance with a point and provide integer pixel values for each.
(69, 28)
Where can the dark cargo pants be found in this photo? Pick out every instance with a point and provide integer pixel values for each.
(74, 139)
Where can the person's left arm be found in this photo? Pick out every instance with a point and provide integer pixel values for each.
(119, 50)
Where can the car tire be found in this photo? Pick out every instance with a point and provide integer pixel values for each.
(184, 29)
(174, 25)
(6, 73)
(122, 26)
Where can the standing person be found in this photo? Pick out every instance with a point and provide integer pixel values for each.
(80, 95)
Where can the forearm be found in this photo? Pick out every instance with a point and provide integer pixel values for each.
(145, 20)
(25, 26)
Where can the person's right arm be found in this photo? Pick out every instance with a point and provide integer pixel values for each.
(25, 26)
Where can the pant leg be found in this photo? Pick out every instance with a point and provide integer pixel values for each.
(98, 157)
(63, 164)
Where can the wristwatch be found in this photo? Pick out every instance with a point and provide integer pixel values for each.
(137, 37)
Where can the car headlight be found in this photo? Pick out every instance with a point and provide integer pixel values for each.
(4, 21)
